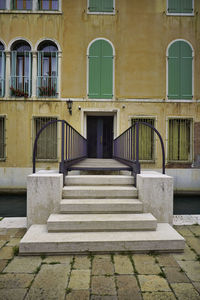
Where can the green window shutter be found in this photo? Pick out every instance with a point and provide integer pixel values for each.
(184, 140)
(185, 71)
(174, 6)
(180, 71)
(2, 73)
(173, 71)
(29, 73)
(180, 6)
(187, 7)
(95, 5)
(101, 70)
(95, 70)
(107, 5)
(13, 69)
(106, 70)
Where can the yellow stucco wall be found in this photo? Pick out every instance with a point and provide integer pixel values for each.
(140, 32)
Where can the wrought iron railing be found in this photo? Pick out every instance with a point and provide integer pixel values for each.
(47, 86)
(20, 86)
(126, 147)
(73, 146)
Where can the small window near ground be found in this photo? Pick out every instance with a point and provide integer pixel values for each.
(21, 4)
(146, 139)
(180, 7)
(101, 6)
(47, 142)
(2, 137)
(48, 4)
(179, 142)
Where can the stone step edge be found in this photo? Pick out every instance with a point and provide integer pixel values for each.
(38, 241)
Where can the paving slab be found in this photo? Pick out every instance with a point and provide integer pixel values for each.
(78, 295)
(102, 265)
(6, 252)
(196, 284)
(192, 269)
(23, 265)
(185, 291)
(167, 260)
(67, 259)
(82, 262)
(184, 230)
(159, 296)
(14, 242)
(127, 286)
(12, 225)
(79, 280)
(3, 264)
(194, 243)
(95, 297)
(145, 264)
(50, 283)
(13, 294)
(195, 229)
(153, 283)
(103, 285)
(2, 243)
(123, 264)
(188, 254)
(175, 275)
(15, 281)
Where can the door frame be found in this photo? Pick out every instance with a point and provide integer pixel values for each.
(100, 112)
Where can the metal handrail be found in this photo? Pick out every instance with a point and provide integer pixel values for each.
(126, 147)
(73, 145)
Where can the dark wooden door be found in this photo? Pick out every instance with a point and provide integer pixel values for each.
(100, 136)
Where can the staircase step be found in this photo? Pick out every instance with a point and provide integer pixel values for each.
(39, 241)
(100, 222)
(99, 192)
(99, 180)
(100, 206)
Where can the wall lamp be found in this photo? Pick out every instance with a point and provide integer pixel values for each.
(69, 105)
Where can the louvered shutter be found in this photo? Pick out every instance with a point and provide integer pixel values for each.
(95, 70)
(185, 70)
(106, 70)
(107, 5)
(180, 6)
(13, 69)
(173, 72)
(186, 6)
(94, 5)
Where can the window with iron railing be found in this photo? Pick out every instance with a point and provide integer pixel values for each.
(180, 140)
(48, 4)
(21, 73)
(47, 78)
(2, 137)
(2, 70)
(47, 142)
(21, 4)
(146, 139)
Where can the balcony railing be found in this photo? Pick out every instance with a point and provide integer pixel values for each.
(47, 86)
(20, 86)
(2, 84)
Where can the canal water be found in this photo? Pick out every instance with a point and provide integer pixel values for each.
(14, 205)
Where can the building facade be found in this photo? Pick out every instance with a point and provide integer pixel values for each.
(119, 61)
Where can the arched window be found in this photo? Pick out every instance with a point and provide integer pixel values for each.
(47, 79)
(21, 64)
(100, 70)
(180, 71)
(2, 70)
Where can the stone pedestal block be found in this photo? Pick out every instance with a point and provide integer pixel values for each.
(155, 191)
(44, 192)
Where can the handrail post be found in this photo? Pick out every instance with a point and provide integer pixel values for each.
(62, 147)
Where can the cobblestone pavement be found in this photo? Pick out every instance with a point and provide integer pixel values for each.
(95, 277)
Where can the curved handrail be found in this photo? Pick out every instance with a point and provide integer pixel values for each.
(137, 137)
(40, 131)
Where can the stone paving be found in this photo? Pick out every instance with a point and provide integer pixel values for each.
(101, 277)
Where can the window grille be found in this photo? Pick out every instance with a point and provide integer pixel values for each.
(146, 139)
(179, 145)
(47, 142)
(2, 137)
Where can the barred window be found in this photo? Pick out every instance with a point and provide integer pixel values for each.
(2, 137)
(179, 146)
(146, 139)
(47, 142)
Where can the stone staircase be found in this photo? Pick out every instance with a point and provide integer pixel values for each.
(100, 213)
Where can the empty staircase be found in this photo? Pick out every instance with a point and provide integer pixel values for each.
(100, 213)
